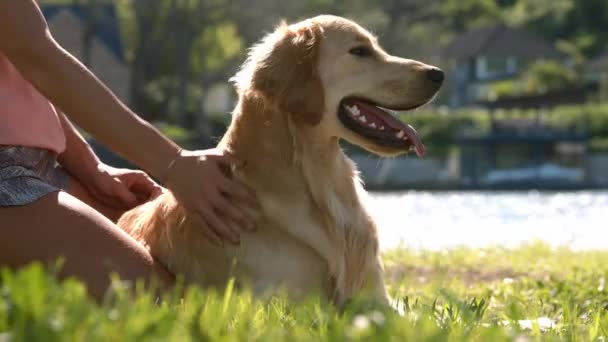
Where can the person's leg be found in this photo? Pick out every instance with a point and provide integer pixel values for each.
(59, 225)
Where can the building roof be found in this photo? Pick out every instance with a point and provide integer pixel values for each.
(103, 17)
(500, 41)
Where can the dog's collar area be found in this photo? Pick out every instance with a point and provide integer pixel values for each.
(379, 125)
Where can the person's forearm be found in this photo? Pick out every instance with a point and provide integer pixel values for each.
(71, 87)
(78, 159)
(78, 93)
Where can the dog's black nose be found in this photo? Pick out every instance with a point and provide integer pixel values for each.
(436, 75)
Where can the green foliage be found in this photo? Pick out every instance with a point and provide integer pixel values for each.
(215, 46)
(579, 21)
(544, 76)
(573, 51)
(128, 27)
(591, 118)
(504, 88)
(533, 292)
(523, 12)
(598, 145)
(176, 133)
(464, 14)
(438, 130)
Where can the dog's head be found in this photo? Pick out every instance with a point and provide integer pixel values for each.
(332, 76)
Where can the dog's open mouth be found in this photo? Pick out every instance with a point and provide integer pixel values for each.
(379, 125)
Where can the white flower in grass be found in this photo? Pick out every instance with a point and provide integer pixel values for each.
(544, 323)
(6, 337)
(361, 322)
(378, 317)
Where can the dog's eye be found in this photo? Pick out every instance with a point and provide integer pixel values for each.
(361, 51)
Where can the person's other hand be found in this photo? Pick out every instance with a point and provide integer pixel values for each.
(200, 181)
(122, 189)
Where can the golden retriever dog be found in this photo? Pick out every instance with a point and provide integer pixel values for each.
(302, 89)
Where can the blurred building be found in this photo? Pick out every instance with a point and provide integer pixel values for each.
(524, 153)
(479, 58)
(91, 33)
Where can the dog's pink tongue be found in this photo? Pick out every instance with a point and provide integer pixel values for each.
(397, 126)
(411, 134)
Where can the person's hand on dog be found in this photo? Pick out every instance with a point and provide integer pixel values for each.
(121, 189)
(200, 181)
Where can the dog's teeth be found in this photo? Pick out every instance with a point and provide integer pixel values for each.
(372, 125)
(382, 128)
(400, 134)
(362, 119)
(354, 110)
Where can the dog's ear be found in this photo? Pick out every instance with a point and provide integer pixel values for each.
(288, 75)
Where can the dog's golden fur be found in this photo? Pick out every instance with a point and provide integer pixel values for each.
(314, 232)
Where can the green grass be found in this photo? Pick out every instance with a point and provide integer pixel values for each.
(480, 295)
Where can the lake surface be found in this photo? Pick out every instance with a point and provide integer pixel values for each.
(439, 220)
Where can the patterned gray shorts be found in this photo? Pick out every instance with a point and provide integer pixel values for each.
(27, 174)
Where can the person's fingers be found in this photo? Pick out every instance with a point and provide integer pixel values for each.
(229, 210)
(121, 192)
(206, 230)
(143, 186)
(234, 188)
(156, 191)
(237, 190)
(218, 225)
(112, 192)
(138, 178)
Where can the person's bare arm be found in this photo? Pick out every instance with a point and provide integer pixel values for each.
(116, 188)
(78, 158)
(195, 178)
(27, 42)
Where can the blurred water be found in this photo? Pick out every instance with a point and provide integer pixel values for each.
(438, 220)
